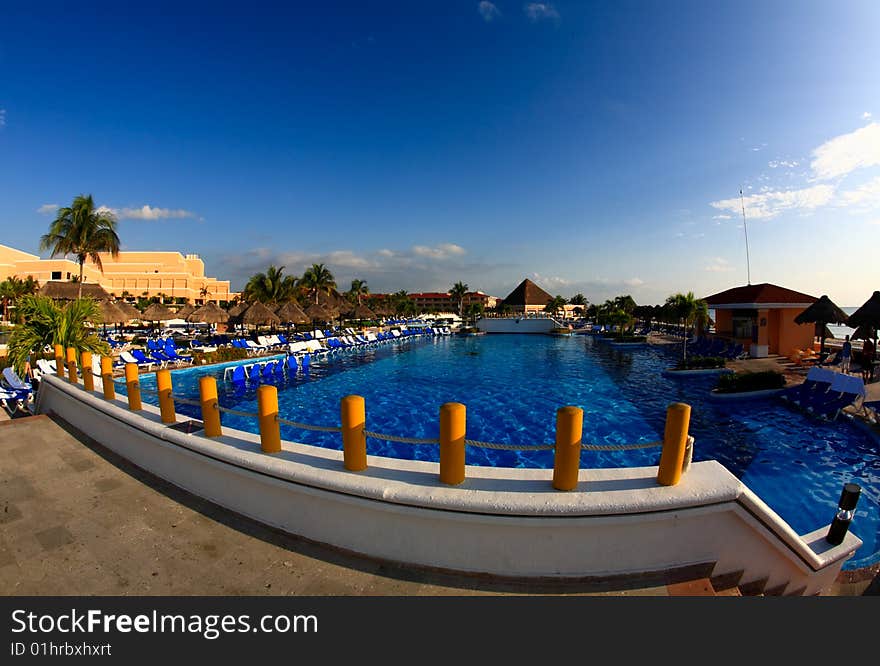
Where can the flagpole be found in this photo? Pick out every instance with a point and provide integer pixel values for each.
(745, 230)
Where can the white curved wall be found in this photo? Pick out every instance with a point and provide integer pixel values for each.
(508, 522)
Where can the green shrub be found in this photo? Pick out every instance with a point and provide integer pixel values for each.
(739, 382)
(222, 355)
(700, 363)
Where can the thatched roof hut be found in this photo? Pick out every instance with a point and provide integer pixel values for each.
(111, 314)
(360, 312)
(185, 311)
(238, 309)
(128, 309)
(209, 313)
(291, 313)
(157, 312)
(69, 291)
(259, 315)
(527, 293)
(318, 312)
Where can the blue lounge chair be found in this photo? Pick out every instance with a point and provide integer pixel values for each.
(254, 373)
(238, 375)
(291, 365)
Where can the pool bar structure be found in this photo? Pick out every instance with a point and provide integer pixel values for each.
(560, 523)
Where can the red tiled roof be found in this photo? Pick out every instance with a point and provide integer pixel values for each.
(759, 293)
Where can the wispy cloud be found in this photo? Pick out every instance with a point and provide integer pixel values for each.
(442, 251)
(768, 205)
(46, 209)
(775, 164)
(718, 265)
(866, 197)
(488, 11)
(537, 11)
(847, 152)
(2, 117)
(147, 212)
(721, 217)
(866, 115)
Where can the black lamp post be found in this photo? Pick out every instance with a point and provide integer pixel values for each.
(845, 510)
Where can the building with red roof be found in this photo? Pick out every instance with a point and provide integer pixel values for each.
(761, 317)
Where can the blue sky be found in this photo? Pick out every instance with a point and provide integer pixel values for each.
(592, 146)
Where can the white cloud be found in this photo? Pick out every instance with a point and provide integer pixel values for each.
(775, 164)
(847, 152)
(2, 117)
(488, 11)
(539, 10)
(718, 265)
(770, 204)
(147, 212)
(866, 115)
(721, 217)
(866, 196)
(46, 209)
(550, 283)
(634, 282)
(442, 251)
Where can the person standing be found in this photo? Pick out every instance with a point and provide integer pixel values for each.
(845, 356)
(868, 361)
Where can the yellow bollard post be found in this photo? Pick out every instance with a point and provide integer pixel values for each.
(354, 442)
(267, 410)
(88, 377)
(107, 377)
(133, 387)
(678, 417)
(210, 413)
(71, 365)
(166, 402)
(453, 416)
(59, 361)
(567, 455)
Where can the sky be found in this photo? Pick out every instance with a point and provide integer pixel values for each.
(594, 147)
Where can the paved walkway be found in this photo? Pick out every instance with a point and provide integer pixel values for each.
(76, 519)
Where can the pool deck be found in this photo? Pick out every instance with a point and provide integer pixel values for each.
(79, 520)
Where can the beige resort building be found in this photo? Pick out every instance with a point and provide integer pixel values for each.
(170, 273)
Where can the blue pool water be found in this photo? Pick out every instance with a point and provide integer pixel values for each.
(512, 386)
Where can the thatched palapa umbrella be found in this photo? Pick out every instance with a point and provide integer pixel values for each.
(238, 309)
(360, 312)
(110, 313)
(868, 315)
(157, 312)
(318, 312)
(185, 311)
(209, 313)
(291, 313)
(259, 315)
(822, 312)
(129, 310)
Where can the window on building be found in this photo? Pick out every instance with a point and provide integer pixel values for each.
(56, 275)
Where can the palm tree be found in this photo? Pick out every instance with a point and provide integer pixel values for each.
(270, 287)
(458, 292)
(203, 292)
(45, 323)
(555, 304)
(687, 309)
(318, 279)
(358, 290)
(83, 231)
(581, 301)
(13, 288)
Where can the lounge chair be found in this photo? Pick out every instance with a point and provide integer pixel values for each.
(13, 382)
(844, 391)
(142, 362)
(818, 380)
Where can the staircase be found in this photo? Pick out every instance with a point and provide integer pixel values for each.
(727, 585)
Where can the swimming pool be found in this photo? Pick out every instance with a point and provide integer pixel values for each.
(512, 386)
